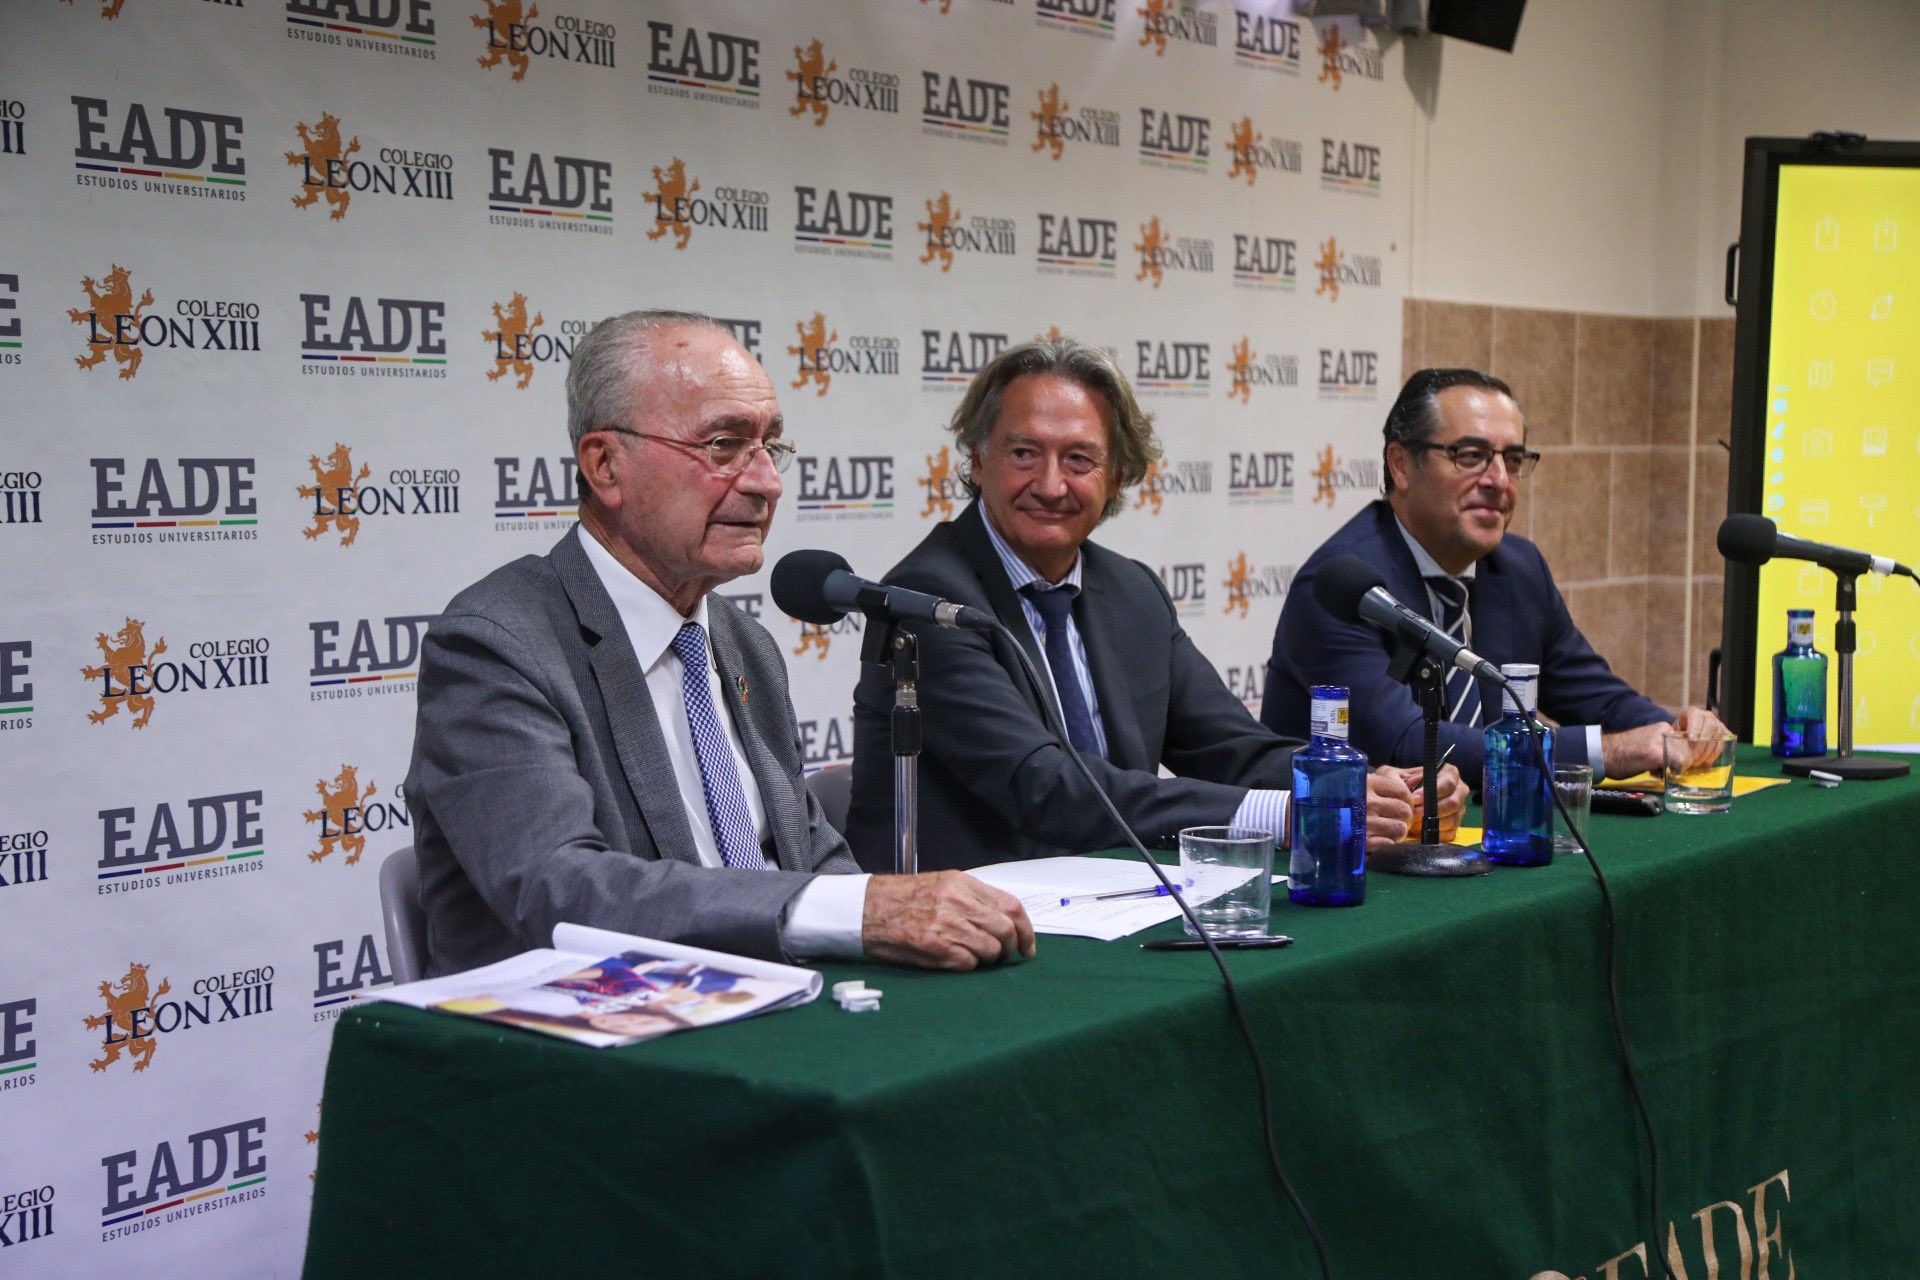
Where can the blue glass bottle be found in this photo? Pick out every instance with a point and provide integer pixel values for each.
(1518, 794)
(1328, 867)
(1799, 691)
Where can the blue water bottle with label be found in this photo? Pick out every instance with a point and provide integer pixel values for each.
(1799, 691)
(1518, 793)
(1328, 867)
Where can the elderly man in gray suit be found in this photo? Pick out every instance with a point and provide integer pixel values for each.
(601, 740)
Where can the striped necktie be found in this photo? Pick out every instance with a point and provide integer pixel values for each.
(1055, 605)
(719, 779)
(1463, 693)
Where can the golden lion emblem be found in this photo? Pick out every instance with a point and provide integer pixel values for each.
(673, 189)
(1243, 145)
(504, 15)
(1236, 584)
(330, 477)
(813, 341)
(1331, 47)
(335, 804)
(1323, 472)
(813, 636)
(1047, 121)
(945, 5)
(323, 150)
(1150, 487)
(941, 218)
(108, 8)
(1152, 241)
(1156, 13)
(104, 307)
(1052, 334)
(810, 73)
(1240, 368)
(509, 356)
(1328, 264)
(124, 999)
(123, 653)
(939, 471)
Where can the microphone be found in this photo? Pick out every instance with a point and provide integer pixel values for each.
(1753, 539)
(1354, 591)
(820, 587)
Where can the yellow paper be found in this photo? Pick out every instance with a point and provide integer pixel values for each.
(1742, 785)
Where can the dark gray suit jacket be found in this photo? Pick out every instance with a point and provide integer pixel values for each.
(541, 789)
(995, 784)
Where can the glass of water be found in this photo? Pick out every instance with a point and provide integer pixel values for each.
(1699, 773)
(1226, 877)
(1573, 784)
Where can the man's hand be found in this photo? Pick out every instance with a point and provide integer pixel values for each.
(1389, 806)
(1453, 800)
(943, 920)
(1634, 751)
(1701, 724)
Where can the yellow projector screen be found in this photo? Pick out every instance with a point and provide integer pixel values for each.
(1843, 431)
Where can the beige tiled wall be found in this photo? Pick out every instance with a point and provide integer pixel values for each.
(1632, 415)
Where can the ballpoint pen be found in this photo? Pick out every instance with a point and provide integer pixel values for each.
(1157, 891)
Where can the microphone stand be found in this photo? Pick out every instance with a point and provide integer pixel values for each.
(1844, 763)
(890, 643)
(1427, 856)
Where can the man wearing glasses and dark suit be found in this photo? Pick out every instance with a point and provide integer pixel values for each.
(602, 740)
(1455, 455)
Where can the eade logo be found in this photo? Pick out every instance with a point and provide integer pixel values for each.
(949, 358)
(842, 223)
(846, 487)
(19, 1055)
(1266, 41)
(1161, 252)
(1350, 167)
(821, 355)
(1340, 58)
(214, 1169)
(948, 232)
(540, 192)
(1334, 475)
(818, 89)
(1262, 477)
(190, 153)
(539, 492)
(329, 172)
(1247, 582)
(180, 842)
(1247, 682)
(516, 38)
(1250, 370)
(1337, 269)
(341, 500)
(132, 678)
(338, 979)
(1264, 262)
(1164, 367)
(1073, 245)
(965, 108)
(178, 501)
(16, 685)
(401, 28)
(1172, 478)
(1253, 152)
(1179, 21)
(1186, 586)
(1084, 17)
(1056, 124)
(1349, 374)
(1174, 140)
(942, 484)
(348, 814)
(824, 743)
(678, 206)
(409, 340)
(365, 657)
(120, 327)
(704, 66)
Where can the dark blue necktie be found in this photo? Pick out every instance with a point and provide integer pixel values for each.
(1055, 605)
(1463, 692)
(719, 779)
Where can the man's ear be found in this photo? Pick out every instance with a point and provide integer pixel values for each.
(596, 458)
(1399, 464)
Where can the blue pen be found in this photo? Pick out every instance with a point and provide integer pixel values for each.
(1158, 891)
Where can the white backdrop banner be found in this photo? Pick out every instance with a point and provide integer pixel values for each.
(287, 294)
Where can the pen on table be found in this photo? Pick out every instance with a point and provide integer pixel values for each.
(1157, 891)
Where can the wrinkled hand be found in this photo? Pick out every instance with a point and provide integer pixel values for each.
(1389, 806)
(1453, 800)
(1702, 724)
(1634, 751)
(943, 920)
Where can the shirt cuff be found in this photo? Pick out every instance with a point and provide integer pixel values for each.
(1266, 810)
(824, 920)
(1596, 753)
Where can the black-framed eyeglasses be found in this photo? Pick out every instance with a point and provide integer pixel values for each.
(725, 455)
(1471, 457)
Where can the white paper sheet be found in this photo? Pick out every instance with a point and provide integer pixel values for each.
(1041, 883)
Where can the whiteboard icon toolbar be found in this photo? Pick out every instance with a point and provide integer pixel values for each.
(1820, 373)
(1886, 236)
(1824, 305)
(1873, 442)
(1882, 307)
(1873, 504)
(1814, 511)
(1816, 442)
(1880, 371)
(1826, 234)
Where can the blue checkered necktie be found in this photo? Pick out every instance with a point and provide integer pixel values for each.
(1055, 605)
(719, 779)
(1463, 692)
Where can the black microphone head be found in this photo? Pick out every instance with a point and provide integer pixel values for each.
(1340, 583)
(1747, 538)
(800, 585)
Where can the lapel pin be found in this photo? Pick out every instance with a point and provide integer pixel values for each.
(740, 687)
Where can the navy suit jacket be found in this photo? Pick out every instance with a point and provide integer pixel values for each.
(1518, 616)
(995, 784)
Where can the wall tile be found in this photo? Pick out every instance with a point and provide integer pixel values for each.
(1669, 530)
(1707, 604)
(1709, 508)
(1631, 497)
(1613, 618)
(1571, 512)
(1666, 663)
(1613, 375)
(1533, 354)
(1456, 335)
(1672, 390)
(1716, 380)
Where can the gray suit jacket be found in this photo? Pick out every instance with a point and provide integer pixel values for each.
(541, 789)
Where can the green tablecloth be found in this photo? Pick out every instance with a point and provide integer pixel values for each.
(1450, 1103)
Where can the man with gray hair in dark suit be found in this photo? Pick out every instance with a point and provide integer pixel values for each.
(601, 740)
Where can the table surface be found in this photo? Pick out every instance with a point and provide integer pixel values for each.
(1448, 1094)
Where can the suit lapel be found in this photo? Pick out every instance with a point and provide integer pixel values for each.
(1102, 618)
(975, 547)
(626, 704)
(776, 791)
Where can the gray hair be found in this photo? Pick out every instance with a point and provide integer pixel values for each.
(1135, 448)
(1415, 415)
(606, 365)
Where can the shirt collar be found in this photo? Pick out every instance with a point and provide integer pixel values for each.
(1428, 566)
(651, 622)
(1019, 571)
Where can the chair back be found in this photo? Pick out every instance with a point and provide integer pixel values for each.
(833, 788)
(404, 917)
